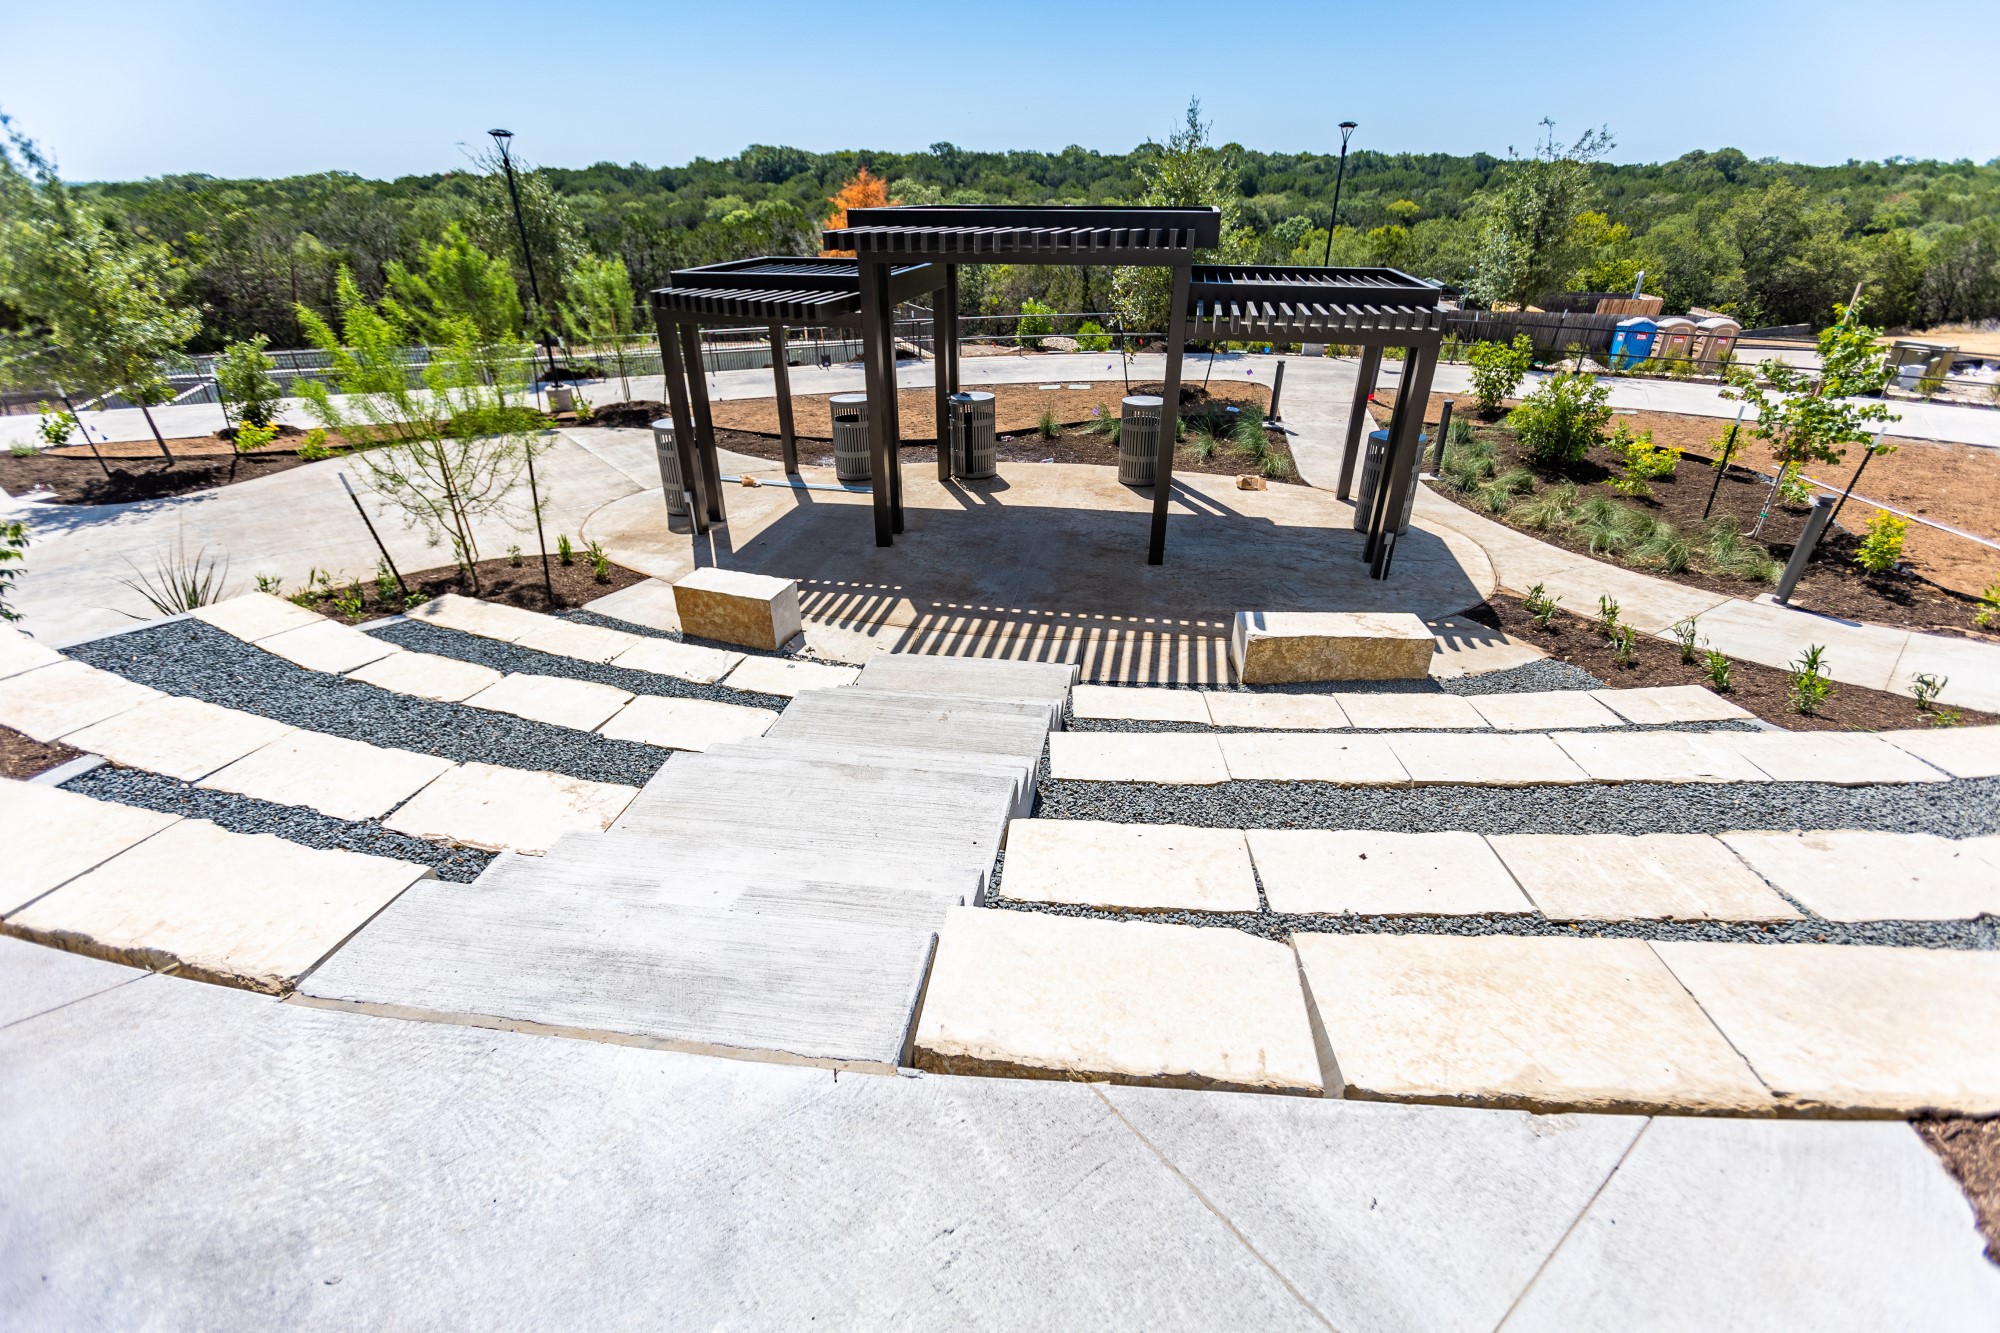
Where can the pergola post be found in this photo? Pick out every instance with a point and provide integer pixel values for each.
(895, 413)
(781, 381)
(943, 312)
(1357, 419)
(677, 401)
(1392, 490)
(704, 424)
(1170, 413)
(874, 297)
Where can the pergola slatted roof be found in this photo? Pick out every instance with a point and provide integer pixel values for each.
(760, 305)
(1291, 303)
(1047, 235)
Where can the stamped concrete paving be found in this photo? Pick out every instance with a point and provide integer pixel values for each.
(1846, 1028)
(1137, 867)
(1367, 873)
(1061, 997)
(245, 909)
(35, 979)
(1534, 1023)
(51, 836)
(1848, 875)
(1654, 876)
(178, 737)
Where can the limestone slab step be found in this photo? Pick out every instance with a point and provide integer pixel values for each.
(328, 646)
(1135, 867)
(669, 657)
(51, 836)
(256, 615)
(1185, 758)
(773, 980)
(427, 676)
(1275, 712)
(342, 778)
(180, 738)
(582, 705)
(51, 701)
(1659, 756)
(1345, 760)
(785, 677)
(1548, 710)
(585, 642)
(243, 909)
(503, 809)
(1664, 705)
(1845, 758)
(1651, 877)
(1369, 873)
(1963, 752)
(19, 652)
(1483, 761)
(470, 615)
(1129, 703)
(889, 757)
(1041, 996)
(684, 724)
(1410, 712)
(1852, 875)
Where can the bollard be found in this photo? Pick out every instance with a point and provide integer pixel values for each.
(1444, 434)
(1795, 568)
(1277, 387)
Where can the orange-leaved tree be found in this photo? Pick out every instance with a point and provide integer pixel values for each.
(865, 190)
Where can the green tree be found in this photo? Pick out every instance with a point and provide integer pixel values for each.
(456, 281)
(603, 311)
(1558, 423)
(1186, 172)
(554, 233)
(1812, 416)
(1532, 244)
(453, 446)
(243, 374)
(1796, 261)
(92, 309)
(13, 549)
(1497, 369)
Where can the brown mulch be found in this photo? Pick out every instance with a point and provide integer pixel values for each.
(78, 480)
(499, 581)
(22, 757)
(1573, 637)
(1970, 1150)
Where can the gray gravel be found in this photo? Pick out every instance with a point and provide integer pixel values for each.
(1529, 677)
(187, 657)
(583, 617)
(242, 814)
(420, 637)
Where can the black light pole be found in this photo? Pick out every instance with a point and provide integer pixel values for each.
(1346, 132)
(501, 139)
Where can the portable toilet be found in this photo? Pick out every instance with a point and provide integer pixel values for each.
(1632, 341)
(1674, 338)
(1715, 340)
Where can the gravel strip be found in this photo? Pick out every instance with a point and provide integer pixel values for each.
(188, 657)
(422, 638)
(583, 617)
(1960, 809)
(1982, 933)
(243, 814)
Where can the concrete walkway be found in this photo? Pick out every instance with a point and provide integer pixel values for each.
(189, 1155)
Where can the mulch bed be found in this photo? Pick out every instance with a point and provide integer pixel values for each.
(1970, 1150)
(499, 581)
(22, 757)
(1765, 691)
(1833, 583)
(76, 478)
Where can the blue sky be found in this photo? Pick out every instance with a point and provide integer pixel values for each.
(385, 89)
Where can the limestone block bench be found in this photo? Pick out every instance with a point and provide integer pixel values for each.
(754, 610)
(1279, 647)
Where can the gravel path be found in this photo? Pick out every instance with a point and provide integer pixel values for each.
(187, 657)
(243, 814)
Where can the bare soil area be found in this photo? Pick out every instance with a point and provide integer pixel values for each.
(500, 580)
(22, 756)
(1970, 1150)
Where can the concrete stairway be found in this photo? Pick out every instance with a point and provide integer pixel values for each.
(777, 897)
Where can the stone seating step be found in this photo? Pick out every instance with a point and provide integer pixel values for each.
(917, 722)
(774, 972)
(972, 677)
(1050, 710)
(784, 850)
(898, 758)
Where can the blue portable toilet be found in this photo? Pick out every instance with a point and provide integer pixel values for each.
(1632, 341)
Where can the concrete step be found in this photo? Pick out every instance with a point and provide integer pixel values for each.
(972, 677)
(757, 787)
(899, 758)
(915, 721)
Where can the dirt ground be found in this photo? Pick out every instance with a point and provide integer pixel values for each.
(23, 756)
(1957, 484)
(1970, 1150)
(1763, 690)
(500, 580)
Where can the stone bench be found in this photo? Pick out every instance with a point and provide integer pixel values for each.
(1278, 647)
(754, 610)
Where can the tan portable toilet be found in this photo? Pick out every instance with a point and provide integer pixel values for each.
(1715, 340)
(1675, 338)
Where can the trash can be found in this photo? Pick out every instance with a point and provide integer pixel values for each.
(1139, 439)
(1371, 476)
(562, 399)
(851, 462)
(975, 449)
(670, 467)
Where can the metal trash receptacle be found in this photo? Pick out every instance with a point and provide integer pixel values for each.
(1139, 439)
(851, 461)
(1371, 475)
(975, 446)
(670, 467)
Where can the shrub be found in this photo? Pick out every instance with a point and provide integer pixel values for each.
(514, 556)
(250, 437)
(1046, 425)
(1497, 370)
(564, 551)
(243, 374)
(22, 450)
(1607, 614)
(1811, 686)
(1035, 323)
(178, 581)
(1559, 422)
(1716, 667)
(1684, 632)
(55, 427)
(1793, 492)
(1624, 644)
(1989, 605)
(1643, 461)
(387, 588)
(1882, 548)
(1091, 337)
(1540, 605)
(314, 447)
(600, 563)
(1927, 688)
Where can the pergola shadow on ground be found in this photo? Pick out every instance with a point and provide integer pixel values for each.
(1036, 565)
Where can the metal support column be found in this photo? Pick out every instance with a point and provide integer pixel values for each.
(1392, 491)
(1170, 414)
(874, 296)
(941, 384)
(677, 400)
(1358, 424)
(704, 424)
(781, 381)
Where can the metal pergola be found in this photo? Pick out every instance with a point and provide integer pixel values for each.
(1372, 308)
(774, 291)
(948, 236)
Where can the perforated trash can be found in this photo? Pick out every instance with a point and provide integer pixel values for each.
(670, 467)
(1371, 476)
(1139, 439)
(850, 437)
(975, 449)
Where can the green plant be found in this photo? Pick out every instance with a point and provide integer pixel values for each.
(243, 375)
(1716, 668)
(600, 563)
(1643, 461)
(1607, 614)
(602, 312)
(1466, 465)
(514, 556)
(1726, 551)
(564, 551)
(1460, 432)
(347, 604)
(1549, 510)
(1946, 717)
(250, 437)
(1811, 687)
(1624, 645)
(22, 450)
(313, 448)
(178, 582)
(1927, 687)
(270, 584)
(1658, 544)
(1497, 369)
(1792, 490)
(1989, 607)
(13, 550)
(1558, 423)
(55, 427)
(1537, 603)
(1882, 548)
(1104, 423)
(1046, 424)
(1248, 438)
(1536, 234)
(1034, 324)
(1497, 496)
(387, 588)
(1091, 337)
(1684, 635)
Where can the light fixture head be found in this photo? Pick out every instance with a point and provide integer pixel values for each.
(502, 135)
(1348, 125)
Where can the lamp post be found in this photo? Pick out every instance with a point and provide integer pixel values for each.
(1346, 133)
(501, 140)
